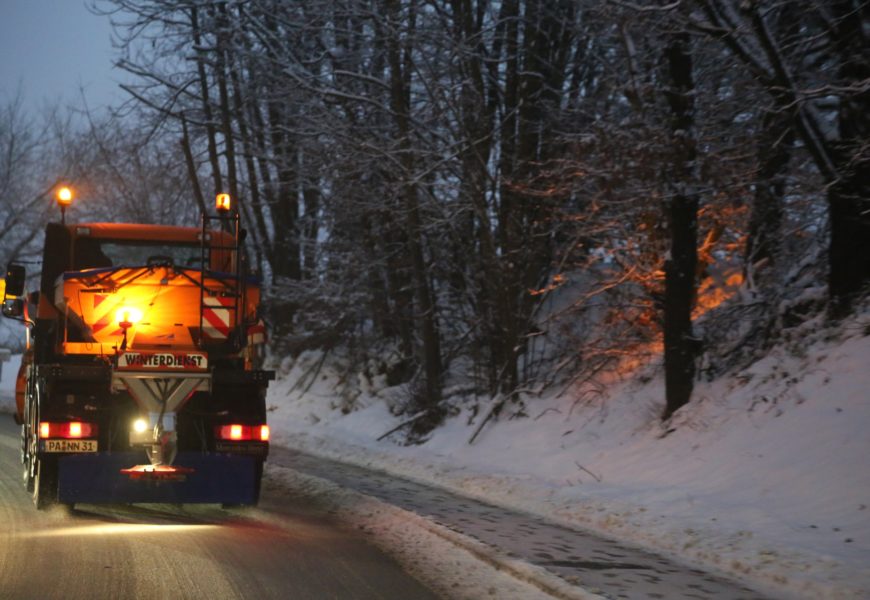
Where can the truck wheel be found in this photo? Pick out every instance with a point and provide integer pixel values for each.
(40, 473)
(45, 484)
(25, 458)
(27, 473)
(29, 447)
(23, 449)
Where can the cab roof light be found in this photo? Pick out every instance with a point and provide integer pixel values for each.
(223, 203)
(64, 195)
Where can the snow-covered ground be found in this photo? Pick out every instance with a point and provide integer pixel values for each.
(7, 384)
(765, 475)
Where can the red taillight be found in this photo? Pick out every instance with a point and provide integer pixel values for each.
(243, 433)
(68, 430)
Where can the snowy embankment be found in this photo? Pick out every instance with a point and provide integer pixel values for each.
(7, 384)
(764, 476)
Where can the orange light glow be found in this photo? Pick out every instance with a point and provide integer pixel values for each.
(264, 433)
(163, 307)
(235, 432)
(119, 529)
(716, 290)
(64, 196)
(222, 202)
(44, 430)
(75, 430)
(128, 314)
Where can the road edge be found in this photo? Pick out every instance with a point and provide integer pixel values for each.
(381, 522)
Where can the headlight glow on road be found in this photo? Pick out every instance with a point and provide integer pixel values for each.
(119, 529)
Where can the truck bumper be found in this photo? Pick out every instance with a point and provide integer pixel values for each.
(216, 478)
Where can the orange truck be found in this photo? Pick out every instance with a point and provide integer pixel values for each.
(139, 382)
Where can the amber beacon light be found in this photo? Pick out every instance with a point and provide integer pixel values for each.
(64, 197)
(222, 203)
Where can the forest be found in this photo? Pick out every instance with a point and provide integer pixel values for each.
(501, 196)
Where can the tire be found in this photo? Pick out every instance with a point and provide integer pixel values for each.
(29, 443)
(45, 483)
(23, 449)
(27, 473)
(40, 475)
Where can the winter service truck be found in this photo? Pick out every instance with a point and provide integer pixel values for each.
(140, 378)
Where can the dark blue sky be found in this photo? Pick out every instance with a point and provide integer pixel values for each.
(54, 47)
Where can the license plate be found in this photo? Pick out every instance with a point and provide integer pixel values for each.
(70, 445)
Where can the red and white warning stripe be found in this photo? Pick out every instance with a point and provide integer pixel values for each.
(257, 333)
(216, 317)
(103, 313)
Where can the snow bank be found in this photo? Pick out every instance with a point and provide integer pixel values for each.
(7, 384)
(764, 476)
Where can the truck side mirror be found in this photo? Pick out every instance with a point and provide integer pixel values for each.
(13, 307)
(15, 275)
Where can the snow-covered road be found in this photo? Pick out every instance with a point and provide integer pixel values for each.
(594, 564)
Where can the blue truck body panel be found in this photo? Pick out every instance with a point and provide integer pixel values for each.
(217, 478)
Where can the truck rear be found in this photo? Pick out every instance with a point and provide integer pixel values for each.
(140, 382)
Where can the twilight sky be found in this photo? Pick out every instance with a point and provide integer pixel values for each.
(54, 47)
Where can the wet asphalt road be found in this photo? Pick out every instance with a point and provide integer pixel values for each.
(284, 549)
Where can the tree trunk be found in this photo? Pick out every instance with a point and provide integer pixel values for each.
(224, 99)
(399, 94)
(264, 168)
(286, 209)
(208, 118)
(311, 220)
(774, 151)
(849, 195)
(255, 205)
(503, 368)
(681, 348)
(192, 174)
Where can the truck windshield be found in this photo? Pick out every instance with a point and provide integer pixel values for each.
(90, 253)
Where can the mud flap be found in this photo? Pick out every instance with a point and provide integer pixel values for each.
(216, 478)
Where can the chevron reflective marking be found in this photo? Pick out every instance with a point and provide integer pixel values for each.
(216, 317)
(257, 333)
(104, 310)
